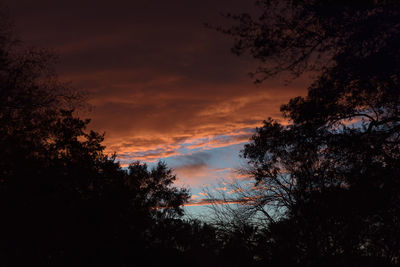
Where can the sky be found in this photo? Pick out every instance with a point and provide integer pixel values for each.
(161, 85)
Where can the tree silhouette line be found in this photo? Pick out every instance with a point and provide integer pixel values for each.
(326, 186)
(330, 178)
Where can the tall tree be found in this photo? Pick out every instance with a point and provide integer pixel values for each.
(333, 172)
(63, 201)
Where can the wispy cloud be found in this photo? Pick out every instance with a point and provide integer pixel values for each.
(209, 202)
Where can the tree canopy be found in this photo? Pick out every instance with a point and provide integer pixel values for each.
(332, 172)
(311, 35)
(63, 200)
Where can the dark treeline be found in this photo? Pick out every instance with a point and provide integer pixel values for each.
(327, 184)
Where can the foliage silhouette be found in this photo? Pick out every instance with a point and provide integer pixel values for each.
(328, 182)
(63, 201)
(308, 35)
(332, 173)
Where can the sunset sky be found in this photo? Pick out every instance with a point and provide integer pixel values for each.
(162, 86)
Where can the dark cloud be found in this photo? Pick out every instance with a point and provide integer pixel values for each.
(158, 79)
(192, 161)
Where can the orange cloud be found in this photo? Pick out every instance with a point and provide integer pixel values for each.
(208, 202)
(162, 91)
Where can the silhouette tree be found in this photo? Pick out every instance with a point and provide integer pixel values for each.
(63, 201)
(332, 174)
(307, 35)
